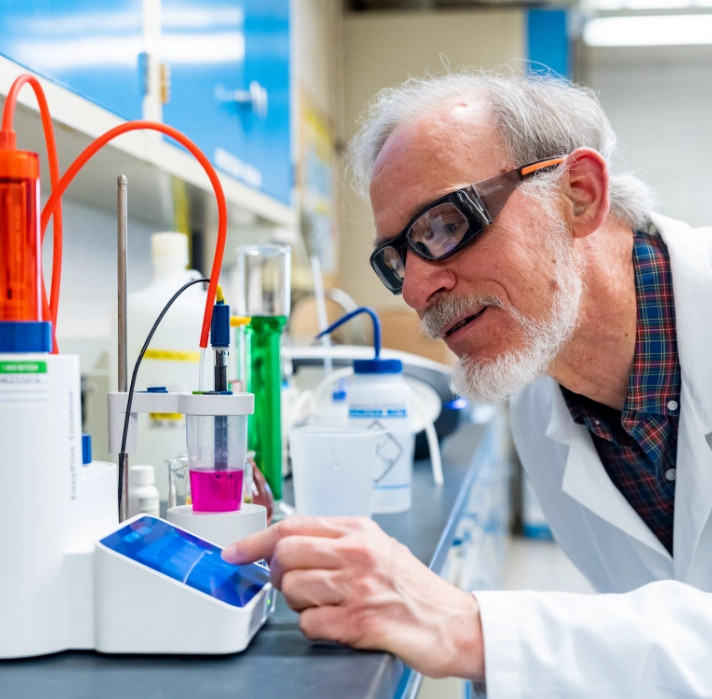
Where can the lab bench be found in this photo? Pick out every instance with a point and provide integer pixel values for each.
(280, 661)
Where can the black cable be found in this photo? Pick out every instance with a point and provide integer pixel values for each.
(134, 376)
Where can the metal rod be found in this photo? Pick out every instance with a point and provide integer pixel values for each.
(121, 229)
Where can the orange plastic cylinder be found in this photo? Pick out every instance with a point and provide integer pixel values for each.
(20, 248)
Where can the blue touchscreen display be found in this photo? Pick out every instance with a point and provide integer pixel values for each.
(188, 559)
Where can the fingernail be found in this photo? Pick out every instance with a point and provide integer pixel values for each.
(229, 553)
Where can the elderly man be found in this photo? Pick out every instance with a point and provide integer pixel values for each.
(499, 221)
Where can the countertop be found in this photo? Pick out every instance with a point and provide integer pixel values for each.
(279, 661)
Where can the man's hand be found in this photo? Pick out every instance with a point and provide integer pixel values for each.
(354, 584)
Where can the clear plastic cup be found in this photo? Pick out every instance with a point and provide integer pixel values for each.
(332, 469)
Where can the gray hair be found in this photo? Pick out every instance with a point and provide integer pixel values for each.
(536, 117)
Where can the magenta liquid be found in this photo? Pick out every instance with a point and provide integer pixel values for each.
(216, 491)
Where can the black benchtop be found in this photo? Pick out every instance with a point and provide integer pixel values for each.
(280, 662)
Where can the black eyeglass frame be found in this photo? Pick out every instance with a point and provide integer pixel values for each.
(480, 203)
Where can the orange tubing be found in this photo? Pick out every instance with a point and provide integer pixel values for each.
(57, 191)
(49, 309)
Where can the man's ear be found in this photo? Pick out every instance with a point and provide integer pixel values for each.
(586, 189)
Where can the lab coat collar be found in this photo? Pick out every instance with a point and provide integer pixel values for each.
(585, 478)
(693, 484)
(690, 253)
(586, 481)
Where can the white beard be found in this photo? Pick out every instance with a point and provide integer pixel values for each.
(493, 381)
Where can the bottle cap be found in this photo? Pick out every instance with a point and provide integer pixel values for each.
(378, 366)
(339, 393)
(25, 336)
(170, 246)
(142, 475)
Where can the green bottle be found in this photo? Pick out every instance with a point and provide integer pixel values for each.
(263, 294)
(264, 378)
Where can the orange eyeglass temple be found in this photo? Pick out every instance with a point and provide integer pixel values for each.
(529, 169)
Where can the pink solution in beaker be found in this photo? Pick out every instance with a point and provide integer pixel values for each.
(216, 490)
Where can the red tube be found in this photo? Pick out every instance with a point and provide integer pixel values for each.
(53, 206)
(90, 150)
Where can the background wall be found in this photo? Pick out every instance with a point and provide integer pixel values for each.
(659, 101)
(317, 117)
(89, 276)
(381, 50)
(89, 262)
(317, 36)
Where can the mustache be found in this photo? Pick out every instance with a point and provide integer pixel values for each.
(445, 310)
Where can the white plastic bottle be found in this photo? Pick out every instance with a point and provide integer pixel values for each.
(378, 399)
(173, 356)
(335, 412)
(143, 494)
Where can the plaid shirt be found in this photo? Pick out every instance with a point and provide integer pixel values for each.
(638, 446)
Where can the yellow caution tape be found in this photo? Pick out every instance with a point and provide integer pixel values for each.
(172, 355)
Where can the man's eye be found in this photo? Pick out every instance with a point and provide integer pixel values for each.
(451, 228)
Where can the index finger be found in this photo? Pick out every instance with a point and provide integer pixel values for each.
(259, 546)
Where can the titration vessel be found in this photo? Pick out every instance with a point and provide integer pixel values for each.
(263, 293)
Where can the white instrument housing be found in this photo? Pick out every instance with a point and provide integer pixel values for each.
(141, 610)
(59, 588)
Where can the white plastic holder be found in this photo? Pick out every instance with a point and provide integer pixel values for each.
(168, 402)
(221, 528)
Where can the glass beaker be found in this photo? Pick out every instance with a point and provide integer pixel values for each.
(256, 489)
(178, 481)
(263, 293)
(216, 456)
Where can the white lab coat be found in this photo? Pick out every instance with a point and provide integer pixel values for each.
(652, 637)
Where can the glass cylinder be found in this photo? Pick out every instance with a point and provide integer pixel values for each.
(263, 293)
(263, 280)
(217, 445)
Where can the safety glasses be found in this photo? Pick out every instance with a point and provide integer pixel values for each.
(450, 223)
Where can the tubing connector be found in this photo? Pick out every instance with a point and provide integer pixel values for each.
(220, 325)
(8, 139)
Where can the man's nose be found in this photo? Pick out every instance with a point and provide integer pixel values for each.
(424, 278)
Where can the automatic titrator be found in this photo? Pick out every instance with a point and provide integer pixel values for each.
(72, 577)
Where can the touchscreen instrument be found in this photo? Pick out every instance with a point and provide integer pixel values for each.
(186, 558)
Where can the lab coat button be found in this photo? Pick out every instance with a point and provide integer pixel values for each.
(671, 474)
(672, 405)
